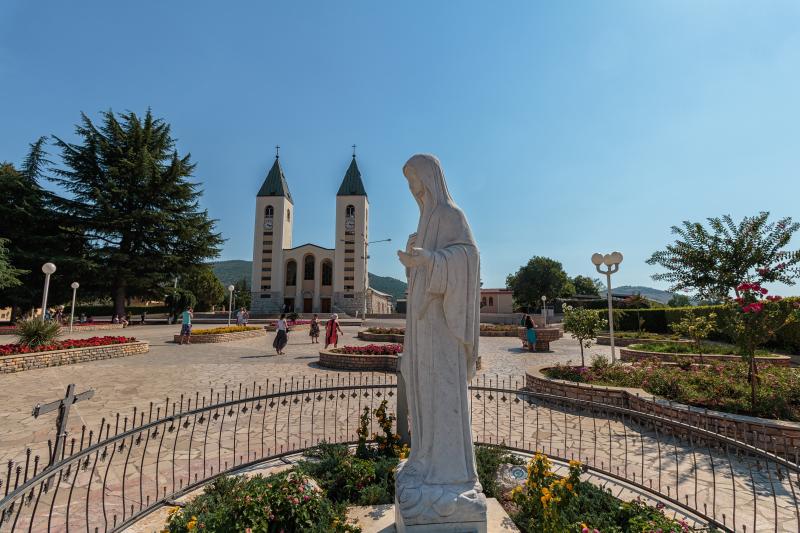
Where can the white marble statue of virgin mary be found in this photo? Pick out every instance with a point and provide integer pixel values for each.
(439, 483)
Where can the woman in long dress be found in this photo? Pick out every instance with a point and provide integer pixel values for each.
(332, 331)
(281, 335)
(530, 333)
(439, 478)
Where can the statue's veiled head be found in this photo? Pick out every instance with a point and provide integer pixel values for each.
(426, 180)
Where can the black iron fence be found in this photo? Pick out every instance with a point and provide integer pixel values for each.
(109, 477)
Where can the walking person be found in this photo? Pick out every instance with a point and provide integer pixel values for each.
(240, 317)
(313, 330)
(332, 331)
(281, 334)
(530, 333)
(245, 316)
(186, 325)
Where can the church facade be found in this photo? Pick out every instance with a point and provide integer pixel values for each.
(310, 278)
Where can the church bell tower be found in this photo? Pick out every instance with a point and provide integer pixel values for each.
(351, 276)
(271, 236)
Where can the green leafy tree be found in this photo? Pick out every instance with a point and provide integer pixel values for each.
(752, 319)
(679, 300)
(585, 285)
(179, 299)
(584, 325)
(133, 198)
(542, 276)
(713, 260)
(205, 285)
(241, 293)
(38, 230)
(9, 276)
(696, 327)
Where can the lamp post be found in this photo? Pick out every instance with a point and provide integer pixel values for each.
(48, 269)
(74, 286)
(230, 302)
(611, 261)
(544, 309)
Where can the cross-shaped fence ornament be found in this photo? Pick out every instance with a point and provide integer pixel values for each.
(63, 407)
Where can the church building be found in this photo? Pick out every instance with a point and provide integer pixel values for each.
(311, 278)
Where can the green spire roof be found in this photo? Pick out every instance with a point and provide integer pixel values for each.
(352, 184)
(275, 183)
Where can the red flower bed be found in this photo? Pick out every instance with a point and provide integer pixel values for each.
(15, 349)
(371, 349)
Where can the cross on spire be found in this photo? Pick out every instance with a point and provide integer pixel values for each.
(277, 151)
(354, 151)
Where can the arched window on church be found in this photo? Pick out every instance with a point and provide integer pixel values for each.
(308, 268)
(269, 211)
(350, 211)
(327, 273)
(291, 273)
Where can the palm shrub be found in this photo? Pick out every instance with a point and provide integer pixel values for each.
(696, 327)
(37, 331)
(583, 324)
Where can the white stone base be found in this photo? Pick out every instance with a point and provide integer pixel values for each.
(381, 519)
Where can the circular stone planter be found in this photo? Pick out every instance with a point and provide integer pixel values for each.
(778, 436)
(346, 361)
(223, 337)
(605, 340)
(629, 354)
(500, 333)
(29, 361)
(544, 336)
(365, 335)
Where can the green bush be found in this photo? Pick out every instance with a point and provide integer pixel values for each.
(281, 502)
(660, 321)
(691, 348)
(37, 331)
(488, 460)
(350, 479)
(722, 386)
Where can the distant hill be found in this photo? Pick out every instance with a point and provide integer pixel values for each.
(392, 286)
(230, 272)
(647, 292)
(235, 270)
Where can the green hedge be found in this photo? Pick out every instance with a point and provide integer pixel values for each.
(659, 320)
(108, 310)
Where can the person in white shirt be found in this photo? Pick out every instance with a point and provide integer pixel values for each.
(281, 335)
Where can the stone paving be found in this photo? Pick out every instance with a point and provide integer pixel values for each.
(718, 481)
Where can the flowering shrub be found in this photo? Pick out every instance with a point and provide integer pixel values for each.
(723, 386)
(547, 503)
(371, 349)
(16, 349)
(387, 331)
(224, 329)
(281, 502)
(696, 327)
(754, 318)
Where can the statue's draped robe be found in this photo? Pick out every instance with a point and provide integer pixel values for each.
(441, 348)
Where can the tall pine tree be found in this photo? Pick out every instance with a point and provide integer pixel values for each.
(133, 199)
(38, 231)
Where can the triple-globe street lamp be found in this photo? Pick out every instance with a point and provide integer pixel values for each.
(611, 261)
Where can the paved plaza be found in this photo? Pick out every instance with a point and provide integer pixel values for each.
(169, 370)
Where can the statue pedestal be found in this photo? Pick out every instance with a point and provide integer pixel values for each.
(381, 519)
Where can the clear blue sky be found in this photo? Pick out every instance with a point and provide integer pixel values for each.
(564, 128)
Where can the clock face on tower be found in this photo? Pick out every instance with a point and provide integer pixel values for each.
(350, 224)
(268, 223)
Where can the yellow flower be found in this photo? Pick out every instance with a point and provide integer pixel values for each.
(570, 487)
(574, 462)
(190, 525)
